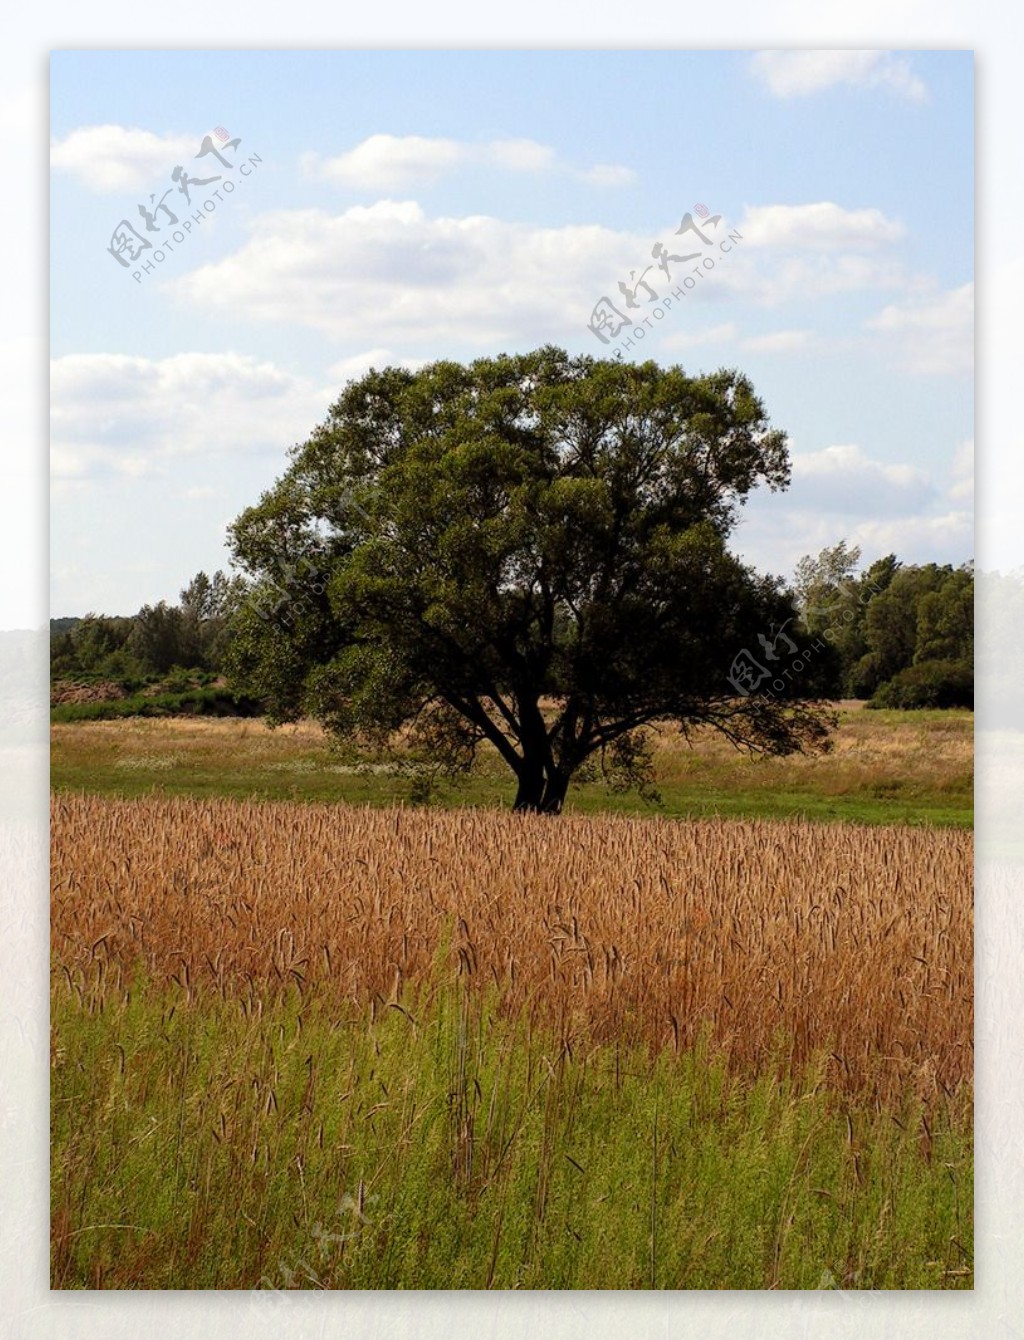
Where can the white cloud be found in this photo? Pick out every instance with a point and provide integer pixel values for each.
(821, 225)
(793, 74)
(113, 158)
(392, 275)
(948, 538)
(388, 274)
(961, 490)
(607, 174)
(774, 281)
(777, 342)
(773, 536)
(514, 155)
(844, 479)
(789, 253)
(116, 415)
(357, 365)
(934, 335)
(389, 162)
(841, 492)
(395, 163)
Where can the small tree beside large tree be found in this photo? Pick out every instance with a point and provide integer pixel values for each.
(529, 551)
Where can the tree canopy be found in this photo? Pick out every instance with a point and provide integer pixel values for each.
(530, 551)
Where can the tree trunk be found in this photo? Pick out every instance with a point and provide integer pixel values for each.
(555, 787)
(540, 792)
(530, 792)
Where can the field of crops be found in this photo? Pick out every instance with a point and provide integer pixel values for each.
(854, 939)
(271, 1009)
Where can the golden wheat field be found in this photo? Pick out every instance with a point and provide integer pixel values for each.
(855, 940)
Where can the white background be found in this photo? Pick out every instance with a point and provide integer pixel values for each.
(27, 1308)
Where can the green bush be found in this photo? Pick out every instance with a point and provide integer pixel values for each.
(929, 684)
(193, 702)
(179, 680)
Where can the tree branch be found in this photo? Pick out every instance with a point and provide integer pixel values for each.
(475, 712)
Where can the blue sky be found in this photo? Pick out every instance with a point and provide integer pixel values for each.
(413, 205)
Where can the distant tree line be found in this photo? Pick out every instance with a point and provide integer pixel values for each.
(153, 643)
(900, 635)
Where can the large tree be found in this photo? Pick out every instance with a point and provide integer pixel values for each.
(529, 551)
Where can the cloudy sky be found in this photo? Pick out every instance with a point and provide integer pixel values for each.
(363, 208)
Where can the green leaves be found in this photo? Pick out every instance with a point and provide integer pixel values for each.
(526, 528)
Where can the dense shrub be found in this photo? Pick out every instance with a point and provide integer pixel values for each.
(193, 702)
(929, 684)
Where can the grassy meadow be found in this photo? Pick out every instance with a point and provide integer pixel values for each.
(885, 767)
(203, 1144)
(360, 1046)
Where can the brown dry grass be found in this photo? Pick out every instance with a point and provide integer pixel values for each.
(908, 767)
(761, 935)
